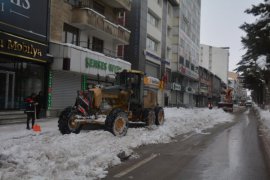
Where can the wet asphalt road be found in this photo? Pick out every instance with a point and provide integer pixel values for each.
(227, 152)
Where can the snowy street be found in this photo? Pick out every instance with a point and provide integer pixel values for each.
(226, 152)
(88, 155)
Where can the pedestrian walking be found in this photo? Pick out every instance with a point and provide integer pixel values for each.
(30, 110)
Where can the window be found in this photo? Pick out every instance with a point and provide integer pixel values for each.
(187, 63)
(181, 60)
(169, 10)
(168, 55)
(151, 44)
(192, 67)
(97, 45)
(169, 31)
(151, 19)
(70, 34)
(66, 64)
(99, 7)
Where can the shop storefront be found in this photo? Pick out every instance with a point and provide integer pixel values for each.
(23, 52)
(76, 68)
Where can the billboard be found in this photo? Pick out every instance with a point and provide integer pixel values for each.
(26, 18)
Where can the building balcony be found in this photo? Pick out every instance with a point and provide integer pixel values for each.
(125, 4)
(175, 2)
(119, 4)
(85, 18)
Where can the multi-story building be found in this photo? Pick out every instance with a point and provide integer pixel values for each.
(238, 91)
(87, 39)
(150, 48)
(24, 59)
(185, 51)
(205, 87)
(216, 59)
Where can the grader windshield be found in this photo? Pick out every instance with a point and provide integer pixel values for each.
(128, 79)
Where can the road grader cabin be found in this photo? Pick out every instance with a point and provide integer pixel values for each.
(132, 98)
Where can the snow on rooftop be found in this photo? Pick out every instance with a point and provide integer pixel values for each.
(50, 155)
(264, 117)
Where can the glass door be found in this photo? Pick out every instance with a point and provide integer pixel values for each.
(7, 83)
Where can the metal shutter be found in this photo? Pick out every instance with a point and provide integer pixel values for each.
(64, 89)
(152, 69)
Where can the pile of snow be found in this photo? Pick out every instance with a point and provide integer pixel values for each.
(50, 155)
(264, 116)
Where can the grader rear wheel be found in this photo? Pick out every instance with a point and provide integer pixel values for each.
(159, 116)
(150, 119)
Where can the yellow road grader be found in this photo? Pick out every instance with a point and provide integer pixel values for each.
(133, 98)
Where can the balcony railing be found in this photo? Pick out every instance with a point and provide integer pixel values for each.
(89, 17)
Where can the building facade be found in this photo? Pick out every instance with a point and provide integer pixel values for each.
(205, 87)
(24, 59)
(185, 52)
(239, 93)
(216, 59)
(150, 48)
(86, 42)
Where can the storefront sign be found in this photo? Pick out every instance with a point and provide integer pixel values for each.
(187, 72)
(20, 47)
(176, 87)
(84, 82)
(96, 64)
(190, 90)
(27, 18)
(151, 81)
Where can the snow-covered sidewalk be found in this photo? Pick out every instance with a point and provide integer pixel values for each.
(50, 155)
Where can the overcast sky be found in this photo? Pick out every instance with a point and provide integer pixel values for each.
(220, 21)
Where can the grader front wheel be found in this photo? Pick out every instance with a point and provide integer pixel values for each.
(66, 122)
(117, 123)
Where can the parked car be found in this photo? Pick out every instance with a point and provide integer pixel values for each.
(248, 104)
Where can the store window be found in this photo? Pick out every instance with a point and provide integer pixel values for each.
(18, 80)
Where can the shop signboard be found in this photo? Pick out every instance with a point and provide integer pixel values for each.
(190, 90)
(26, 18)
(188, 72)
(17, 46)
(176, 87)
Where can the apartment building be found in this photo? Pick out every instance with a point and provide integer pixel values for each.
(234, 82)
(216, 59)
(150, 48)
(185, 52)
(86, 42)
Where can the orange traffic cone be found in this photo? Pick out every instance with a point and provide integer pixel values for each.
(37, 128)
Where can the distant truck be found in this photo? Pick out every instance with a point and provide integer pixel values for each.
(248, 103)
(227, 104)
